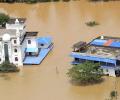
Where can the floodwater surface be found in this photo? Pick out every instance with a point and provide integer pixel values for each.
(65, 23)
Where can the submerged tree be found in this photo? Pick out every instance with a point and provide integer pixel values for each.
(113, 95)
(85, 73)
(6, 67)
(92, 23)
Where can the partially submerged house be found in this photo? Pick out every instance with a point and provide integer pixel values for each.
(103, 50)
(21, 47)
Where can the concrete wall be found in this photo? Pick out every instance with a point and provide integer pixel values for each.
(15, 26)
(33, 44)
(23, 47)
(17, 54)
(1, 52)
(109, 71)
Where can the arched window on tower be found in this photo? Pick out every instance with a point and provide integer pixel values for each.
(15, 50)
(16, 58)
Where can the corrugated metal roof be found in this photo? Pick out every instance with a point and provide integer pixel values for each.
(94, 58)
(100, 42)
(44, 40)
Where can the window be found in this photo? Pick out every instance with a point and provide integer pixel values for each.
(42, 44)
(15, 50)
(15, 41)
(29, 41)
(16, 58)
(106, 70)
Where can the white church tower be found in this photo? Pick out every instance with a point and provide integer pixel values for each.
(12, 44)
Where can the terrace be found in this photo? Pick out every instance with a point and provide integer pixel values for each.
(98, 51)
(102, 47)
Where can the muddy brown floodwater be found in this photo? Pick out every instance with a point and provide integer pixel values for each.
(65, 22)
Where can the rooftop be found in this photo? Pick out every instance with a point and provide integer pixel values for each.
(105, 41)
(12, 20)
(11, 32)
(31, 34)
(79, 44)
(107, 47)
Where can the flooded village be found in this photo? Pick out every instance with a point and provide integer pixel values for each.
(65, 22)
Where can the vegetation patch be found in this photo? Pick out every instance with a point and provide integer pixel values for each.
(6, 67)
(3, 19)
(92, 23)
(85, 73)
(113, 95)
(31, 1)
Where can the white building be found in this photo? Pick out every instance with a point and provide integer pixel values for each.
(14, 41)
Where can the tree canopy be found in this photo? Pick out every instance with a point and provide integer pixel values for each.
(6, 67)
(85, 73)
(3, 18)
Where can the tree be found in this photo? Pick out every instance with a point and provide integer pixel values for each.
(3, 18)
(113, 95)
(85, 73)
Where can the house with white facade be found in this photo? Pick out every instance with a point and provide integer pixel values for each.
(20, 47)
(104, 50)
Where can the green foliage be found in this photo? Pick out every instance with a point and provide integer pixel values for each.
(6, 67)
(92, 23)
(10, 1)
(32, 1)
(113, 94)
(85, 73)
(3, 18)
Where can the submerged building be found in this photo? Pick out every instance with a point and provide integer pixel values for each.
(21, 47)
(103, 50)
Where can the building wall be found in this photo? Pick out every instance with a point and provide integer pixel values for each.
(23, 48)
(17, 54)
(109, 71)
(15, 26)
(1, 52)
(12, 54)
(33, 44)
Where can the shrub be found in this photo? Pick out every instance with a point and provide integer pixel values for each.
(113, 94)
(92, 23)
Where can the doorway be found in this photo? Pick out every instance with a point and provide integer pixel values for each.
(6, 52)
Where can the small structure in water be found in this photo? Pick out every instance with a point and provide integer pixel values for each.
(21, 47)
(104, 50)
